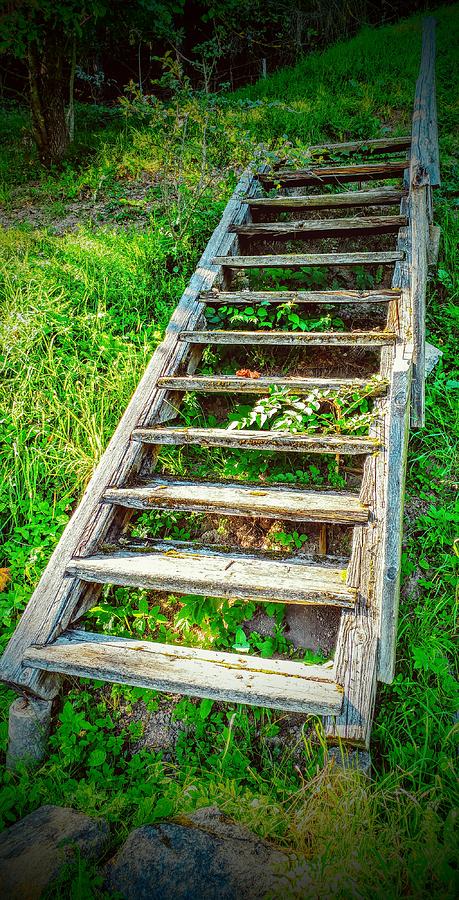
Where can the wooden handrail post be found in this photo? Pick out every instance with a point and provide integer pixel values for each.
(424, 174)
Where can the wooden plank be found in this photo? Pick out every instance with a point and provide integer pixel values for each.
(382, 145)
(434, 245)
(356, 655)
(225, 677)
(394, 493)
(234, 499)
(334, 174)
(56, 597)
(257, 440)
(222, 384)
(313, 228)
(297, 260)
(355, 662)
(219, 575)
(291, 338)
(424, 156)
(419, 271)
(384, 295)
(374, 197)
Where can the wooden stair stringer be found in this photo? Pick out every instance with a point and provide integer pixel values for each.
(58, 597)
(365, 648)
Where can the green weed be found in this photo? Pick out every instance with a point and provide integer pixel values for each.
(82, 312)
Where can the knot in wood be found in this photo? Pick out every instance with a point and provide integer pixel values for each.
(399, 400)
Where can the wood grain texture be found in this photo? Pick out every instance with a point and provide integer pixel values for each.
(359, 636)
(314, 228)
(374, 197)
(298, 260)
(57, 596)
(291, 338)
(237, 499)
(225, 677)
(257, 440)
(208, 574)
(398, 432)
(222, 384)
(420, 239)
(424, 153)
(334, 174)
(381, 145)
(384, 295)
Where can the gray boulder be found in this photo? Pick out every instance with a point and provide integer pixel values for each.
(34, 850)
(208, 857)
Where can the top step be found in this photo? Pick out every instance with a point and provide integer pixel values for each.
(334, 174)
(374, 146)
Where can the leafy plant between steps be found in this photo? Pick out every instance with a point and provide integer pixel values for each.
(343, 412)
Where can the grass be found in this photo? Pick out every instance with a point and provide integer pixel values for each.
(83, 309)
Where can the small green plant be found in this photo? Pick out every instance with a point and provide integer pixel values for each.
(320, 410)
(265, 316)
(290, 540)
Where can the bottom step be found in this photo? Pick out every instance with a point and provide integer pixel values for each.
(279, 684)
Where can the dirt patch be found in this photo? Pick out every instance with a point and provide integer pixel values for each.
(312, 628)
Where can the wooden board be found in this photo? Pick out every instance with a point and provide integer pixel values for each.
(234, 499)
(297, 260)
(257, 440)
(334, 174)
(424, 154)
(225, 677)
(381, 145)
(374, 197)
(384, 295)
(357, 647)
(291, 338)
(398, 432)
(222, 384)
(219, 575)
(420, 235)
(313, 228)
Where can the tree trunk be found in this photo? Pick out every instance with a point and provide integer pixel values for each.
(47, 97)
(70, 114)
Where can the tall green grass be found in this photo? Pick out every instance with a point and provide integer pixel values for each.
(82, 310)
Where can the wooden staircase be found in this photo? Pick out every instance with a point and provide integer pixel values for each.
(95, 548)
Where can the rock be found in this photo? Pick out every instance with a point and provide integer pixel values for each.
(28, 731)
(432, 357)
(33, 851)
(208, 857)
(161, 731)
(360, 760)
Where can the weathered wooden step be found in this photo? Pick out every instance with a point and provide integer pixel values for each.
(236, 678)
(257, 440)
(335, 174)
(291, 338)
(208, 574)
(374, 197)
(233, 499)
(313, 228)
(382, 145)
(297, 260)
(384, 295)
(222, 384)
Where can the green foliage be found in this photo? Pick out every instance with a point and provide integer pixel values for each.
(319, 411)
(286, 316)
(82, 311)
